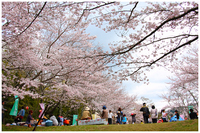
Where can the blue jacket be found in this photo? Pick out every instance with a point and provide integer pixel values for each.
(21, 112)
(124, 119)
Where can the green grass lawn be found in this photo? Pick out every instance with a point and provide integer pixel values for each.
(189, 125)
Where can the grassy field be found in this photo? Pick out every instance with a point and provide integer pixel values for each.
(189, 125)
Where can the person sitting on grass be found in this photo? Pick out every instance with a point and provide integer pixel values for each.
(193, 115)
(53, 118)
(124, 119)
(97, 115)
(66, 121)
(20, 115)
(86, 114)
(164, 115)
(29, 118)
(44, 118)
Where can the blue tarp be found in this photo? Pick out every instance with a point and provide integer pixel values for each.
(175, 119)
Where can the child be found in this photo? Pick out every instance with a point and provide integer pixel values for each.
(60, 120)
(124, 119)
(114, 119)
(133, 118)
(160, 121)
(29, 118)
(66, 121)
(127, 121)
(164, 115)
(142, 122)
(110, 116)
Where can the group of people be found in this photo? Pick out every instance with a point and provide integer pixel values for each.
(105, 115)
(60, 121)
(119, 116)
(109, 116)
(153, 114)
(56, 121)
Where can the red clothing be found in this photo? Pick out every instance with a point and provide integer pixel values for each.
(66, 122)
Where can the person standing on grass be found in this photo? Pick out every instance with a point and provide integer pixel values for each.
(133, 118)
(154, 114)
(146, 112)
(177, 115)
(119, 116)
(110, 116)
(104, 113)
(193, 115)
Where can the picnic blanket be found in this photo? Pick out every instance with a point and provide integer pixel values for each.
(181, 118)
(93, 122)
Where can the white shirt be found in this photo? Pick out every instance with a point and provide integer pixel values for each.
(154, 113)
(164, 115)
(55, 121)
(110, 115)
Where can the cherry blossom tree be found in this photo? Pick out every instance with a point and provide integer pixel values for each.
(184, 85)
(42, 60)
(28, 50)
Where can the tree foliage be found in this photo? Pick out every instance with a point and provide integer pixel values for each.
(184, 85)
(47, 54)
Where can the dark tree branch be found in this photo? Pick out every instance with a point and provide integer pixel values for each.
(33, 19)
(40, 117)
(37, 75)
(153, 62)
(76, 23)
(132, 11)
(92, 9)
(139, 42)
(156, 29)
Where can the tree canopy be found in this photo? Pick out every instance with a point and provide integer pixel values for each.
(47, 54)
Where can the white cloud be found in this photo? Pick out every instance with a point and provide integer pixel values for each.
(159, 74)
(150, 90)
(158, 79)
